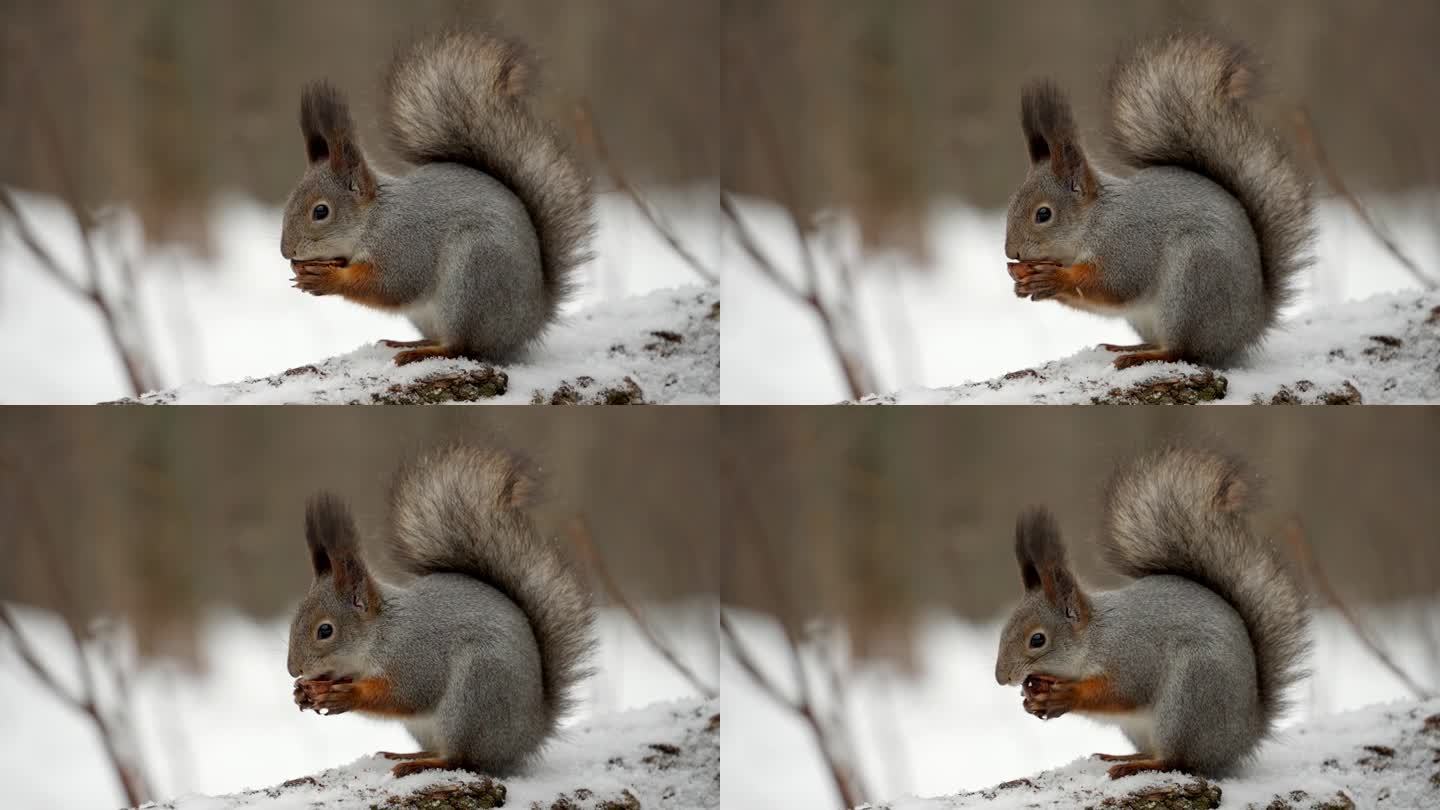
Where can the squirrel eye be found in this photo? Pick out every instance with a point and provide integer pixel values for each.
(320, 212)
(1037, 641)
(324, 631)
(1042, 214)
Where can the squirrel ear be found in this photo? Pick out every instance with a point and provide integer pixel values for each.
(1030, 522)
(1051, 136)
(321, 513)
(1043, 565)
(330, 137)
(335, 550)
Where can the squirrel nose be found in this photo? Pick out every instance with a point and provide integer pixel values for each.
(1001, 677)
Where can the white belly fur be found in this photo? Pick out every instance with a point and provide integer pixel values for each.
(423, 315)
(1139, 726)
(1144, 318)
(423, 728)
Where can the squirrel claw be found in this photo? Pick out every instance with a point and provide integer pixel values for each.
(1042, 282)
(1047, 697)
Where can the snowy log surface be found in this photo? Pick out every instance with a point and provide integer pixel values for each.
(1382, 756)
(1382, 350)
(660, 348)
(663, 756)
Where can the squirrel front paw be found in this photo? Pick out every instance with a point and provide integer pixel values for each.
(1048, 697)
(318, 277)
(302, 696)
(1036, 281)
(333, 696)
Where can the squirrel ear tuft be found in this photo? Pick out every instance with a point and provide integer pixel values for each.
(1031, 528)
(329, 532)
(1051, 136)
(335, 550)
(1043, 564)
(330, 137)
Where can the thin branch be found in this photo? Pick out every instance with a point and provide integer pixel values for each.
(133, 358)
(856, 380)
(839, 774)
(130, 775)
(585, 125)
(580, 533)
(854, 369)
(130, 782)
(1306, 130)
(1295, 536)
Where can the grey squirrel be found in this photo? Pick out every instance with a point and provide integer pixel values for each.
(479, 656)
(1193, 658)
(1199, 248)
(478, 244)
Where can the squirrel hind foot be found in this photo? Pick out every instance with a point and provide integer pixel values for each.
(409, 344)
(1125, 361)
(1132, 767)
(431, 763)
(419, 353)
(1120, 757)
(404, 757)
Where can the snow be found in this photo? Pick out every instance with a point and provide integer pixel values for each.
(233, 315)
(931, 325)
(1383, 350)
(949, 728)
(1378, 754)
(659, 348)
(233, 727)
(665, 756)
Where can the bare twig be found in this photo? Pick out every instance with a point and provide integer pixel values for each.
(1300, 546)
(856, 379)
(129, 773)
(831, 315)
(829, 739)
(585, 125)
(1306, 129)
(133, 357)
(130, 781)
(580, 533)
(804, 708)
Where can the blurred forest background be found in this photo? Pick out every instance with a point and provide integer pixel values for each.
(878, 106)
(872, 516)
(881, 107)
(867, 515)
(163, 104)
(162, 515)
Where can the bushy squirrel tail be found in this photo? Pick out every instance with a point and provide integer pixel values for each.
(1186, 513)
(464, 97)
(1181, 101)
(463, 510)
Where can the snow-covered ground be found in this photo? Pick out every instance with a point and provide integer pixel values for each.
(234, 315)
(661, 348)
(1379, 756)
(952, 729)
(954, 319)
(665, 756)
(1382, 350)
(234, 726)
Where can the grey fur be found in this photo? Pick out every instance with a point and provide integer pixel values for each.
(1202, 245)
(486, 646)
(479, 243)
(1206, 640)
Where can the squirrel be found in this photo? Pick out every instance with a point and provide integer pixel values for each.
(1200, 247)
(479, 243)
(1193, 658)
(480, 654)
